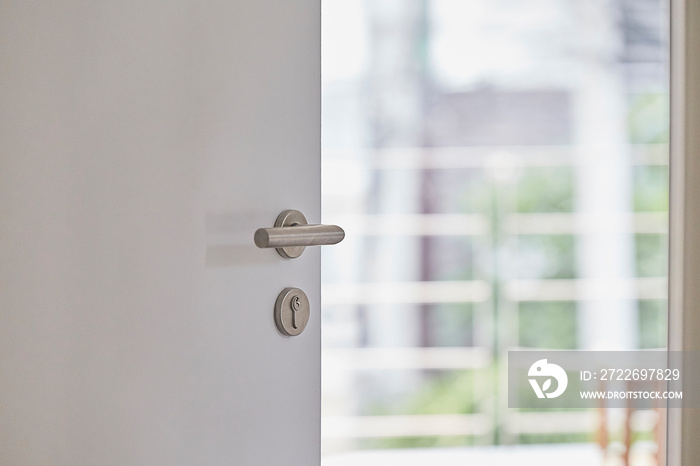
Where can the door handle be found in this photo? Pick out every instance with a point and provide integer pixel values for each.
(292, 233)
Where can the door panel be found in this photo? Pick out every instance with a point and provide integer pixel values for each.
(142, 145)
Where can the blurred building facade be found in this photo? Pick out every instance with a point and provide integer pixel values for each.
(501, 170)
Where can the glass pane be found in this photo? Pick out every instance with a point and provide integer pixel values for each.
(501, 170)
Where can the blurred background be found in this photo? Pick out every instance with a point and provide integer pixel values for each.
(501, 170)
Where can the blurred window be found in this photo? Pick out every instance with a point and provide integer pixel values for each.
(501, 170)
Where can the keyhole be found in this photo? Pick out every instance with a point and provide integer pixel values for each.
(296, 306)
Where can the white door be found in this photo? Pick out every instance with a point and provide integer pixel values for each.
(141, 145)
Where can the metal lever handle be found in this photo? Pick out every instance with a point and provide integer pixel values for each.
(291, 234)
(300, 235)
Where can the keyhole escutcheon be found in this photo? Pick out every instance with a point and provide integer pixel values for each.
(292, 311)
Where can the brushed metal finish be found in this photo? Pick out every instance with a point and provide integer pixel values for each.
(292, 233)
(292, 311)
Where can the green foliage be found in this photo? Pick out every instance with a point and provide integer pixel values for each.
(452, 324)
(648, 118)
(555, 438)
(455, 257)
(550, 325)
(451, 392)
(653, 321)
(475, 195)
(545, 189)
(651, 255)
(546, 256)
(650, 190)
(417, 442)
(446, 392)
(539, 189)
